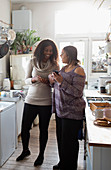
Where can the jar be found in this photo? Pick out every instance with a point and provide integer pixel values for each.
(17, 84)
(6, 84)
(108, 86)
(102, 90)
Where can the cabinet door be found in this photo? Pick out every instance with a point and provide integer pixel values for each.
(7, 134)
(88, 158)
(98, 158)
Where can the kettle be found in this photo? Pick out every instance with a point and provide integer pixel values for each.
(108, 86)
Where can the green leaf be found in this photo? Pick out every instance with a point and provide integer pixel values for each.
(27, 38)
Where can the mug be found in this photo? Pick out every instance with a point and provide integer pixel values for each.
(102, 90)
(98, 113)
(107, 113)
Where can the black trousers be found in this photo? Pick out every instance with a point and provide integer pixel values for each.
(29, 114)
(68, 144)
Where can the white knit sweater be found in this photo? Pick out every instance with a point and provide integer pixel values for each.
(38, 93)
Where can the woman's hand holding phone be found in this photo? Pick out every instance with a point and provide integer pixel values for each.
(57, 76)
(56, 71)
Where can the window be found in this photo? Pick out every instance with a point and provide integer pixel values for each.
(88, 53)
(81, 19)
(80, 44)
(84, 27)
(99, 61)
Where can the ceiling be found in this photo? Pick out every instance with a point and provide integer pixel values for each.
(19, 1)
(97, 3)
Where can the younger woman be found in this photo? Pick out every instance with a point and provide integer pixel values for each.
(38, 100)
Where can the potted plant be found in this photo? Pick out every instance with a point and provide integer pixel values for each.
(24, 41)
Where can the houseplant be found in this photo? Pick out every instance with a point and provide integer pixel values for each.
(24, 41)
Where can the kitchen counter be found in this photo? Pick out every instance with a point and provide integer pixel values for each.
(10, 99)
(97, 135)
(98, 139)
(95, 93)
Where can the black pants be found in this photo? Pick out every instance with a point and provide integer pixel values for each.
(29, 114)
(67, 139)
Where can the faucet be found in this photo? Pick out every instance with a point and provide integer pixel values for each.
(2, 88)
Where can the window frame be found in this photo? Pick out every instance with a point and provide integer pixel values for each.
(88, 39)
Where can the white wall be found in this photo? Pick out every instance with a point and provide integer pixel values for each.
(43, 16)
(5, 10)
(4, 16)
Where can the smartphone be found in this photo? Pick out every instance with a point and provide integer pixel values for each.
(56, 71)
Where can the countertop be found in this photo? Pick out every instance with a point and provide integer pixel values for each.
(15, 97)
(95, 93)
(97, 135)
(10, 99)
